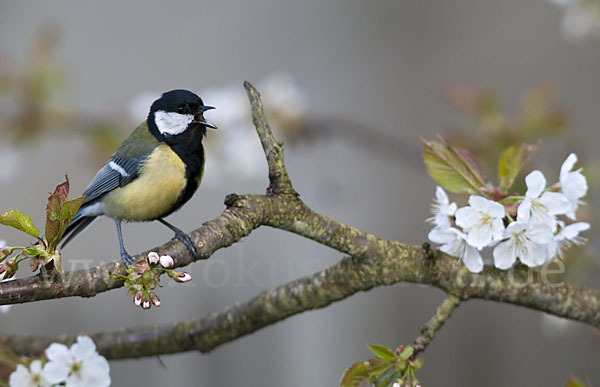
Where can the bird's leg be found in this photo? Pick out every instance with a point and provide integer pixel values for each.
(182, 236)
(126, 258)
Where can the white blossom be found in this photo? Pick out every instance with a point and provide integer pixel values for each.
(482, 221)
(78, 366)
(539, 206)
(573, 183)
(441, 209)
(454, 242)
(29, 377)
(568, 236)
(527, 241)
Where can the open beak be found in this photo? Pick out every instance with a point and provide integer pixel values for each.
(199, 117)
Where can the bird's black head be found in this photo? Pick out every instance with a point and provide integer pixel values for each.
(175, 112)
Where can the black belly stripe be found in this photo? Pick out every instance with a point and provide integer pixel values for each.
(194, 166)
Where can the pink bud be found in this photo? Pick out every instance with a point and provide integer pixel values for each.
(146, 304)
(153, 258)
(154, 298)
(137, 299)
(8, 269)
(183, 277)
(166, 261)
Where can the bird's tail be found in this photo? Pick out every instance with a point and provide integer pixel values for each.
(79, 223)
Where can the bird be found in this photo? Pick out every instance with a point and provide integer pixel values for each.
(153, 173)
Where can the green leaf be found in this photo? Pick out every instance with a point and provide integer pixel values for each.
(355, 374)
(20, 221)
(381, 351)
(378, 368)
(59, 213)
(452, 168)
(407, 352)
(511, 162)
(417, 364)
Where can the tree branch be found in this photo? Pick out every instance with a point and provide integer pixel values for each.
(373, 262)
(279, 180)
(428, 330)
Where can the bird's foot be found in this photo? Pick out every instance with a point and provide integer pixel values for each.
(127, 259)
(187, 241)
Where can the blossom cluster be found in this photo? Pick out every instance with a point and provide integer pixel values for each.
(144, 276)
(77, 366)
(532, 227)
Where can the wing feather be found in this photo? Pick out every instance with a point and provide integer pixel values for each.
(117, 172)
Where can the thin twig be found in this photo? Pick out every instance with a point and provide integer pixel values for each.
(428, 330)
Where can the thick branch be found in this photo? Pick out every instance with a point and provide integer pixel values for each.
(428, 330)
(374, 262)
(341, 280)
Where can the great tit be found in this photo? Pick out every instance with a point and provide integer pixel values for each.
(153, 172)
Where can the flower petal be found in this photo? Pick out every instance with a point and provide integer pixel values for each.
(532, 254)
(58, 352)
(467, 217)
(19, 377)
(454, 248)
(505, 255)
(536, 183)
(84, 348)
(524, 210)
(555, 202)
(540, 233)
(497, 229)
(479, 237)
(36, 366)
(441, 196)
(567, 165)
(56, 372)
(572, 231)
(441, 236)
(472, 259)
(574, 185)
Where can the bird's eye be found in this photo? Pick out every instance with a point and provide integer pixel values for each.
(180, 110)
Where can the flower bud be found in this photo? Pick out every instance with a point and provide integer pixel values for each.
(8, 269)
(166, 261)
(153, 258)
(137, 299)
(154, 298)
(183, 277)
(146, 303)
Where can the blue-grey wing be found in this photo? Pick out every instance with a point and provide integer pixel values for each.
(117, 172)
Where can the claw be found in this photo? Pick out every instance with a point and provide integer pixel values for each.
(183, 237)
(127, 259)
(187, 241)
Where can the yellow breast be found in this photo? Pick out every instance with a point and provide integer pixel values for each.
(153, 193)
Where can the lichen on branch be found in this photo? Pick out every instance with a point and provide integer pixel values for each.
(371, 262)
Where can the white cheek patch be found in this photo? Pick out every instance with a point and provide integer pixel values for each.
(172, 123)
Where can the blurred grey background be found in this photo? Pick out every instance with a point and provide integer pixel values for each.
(384, 64)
